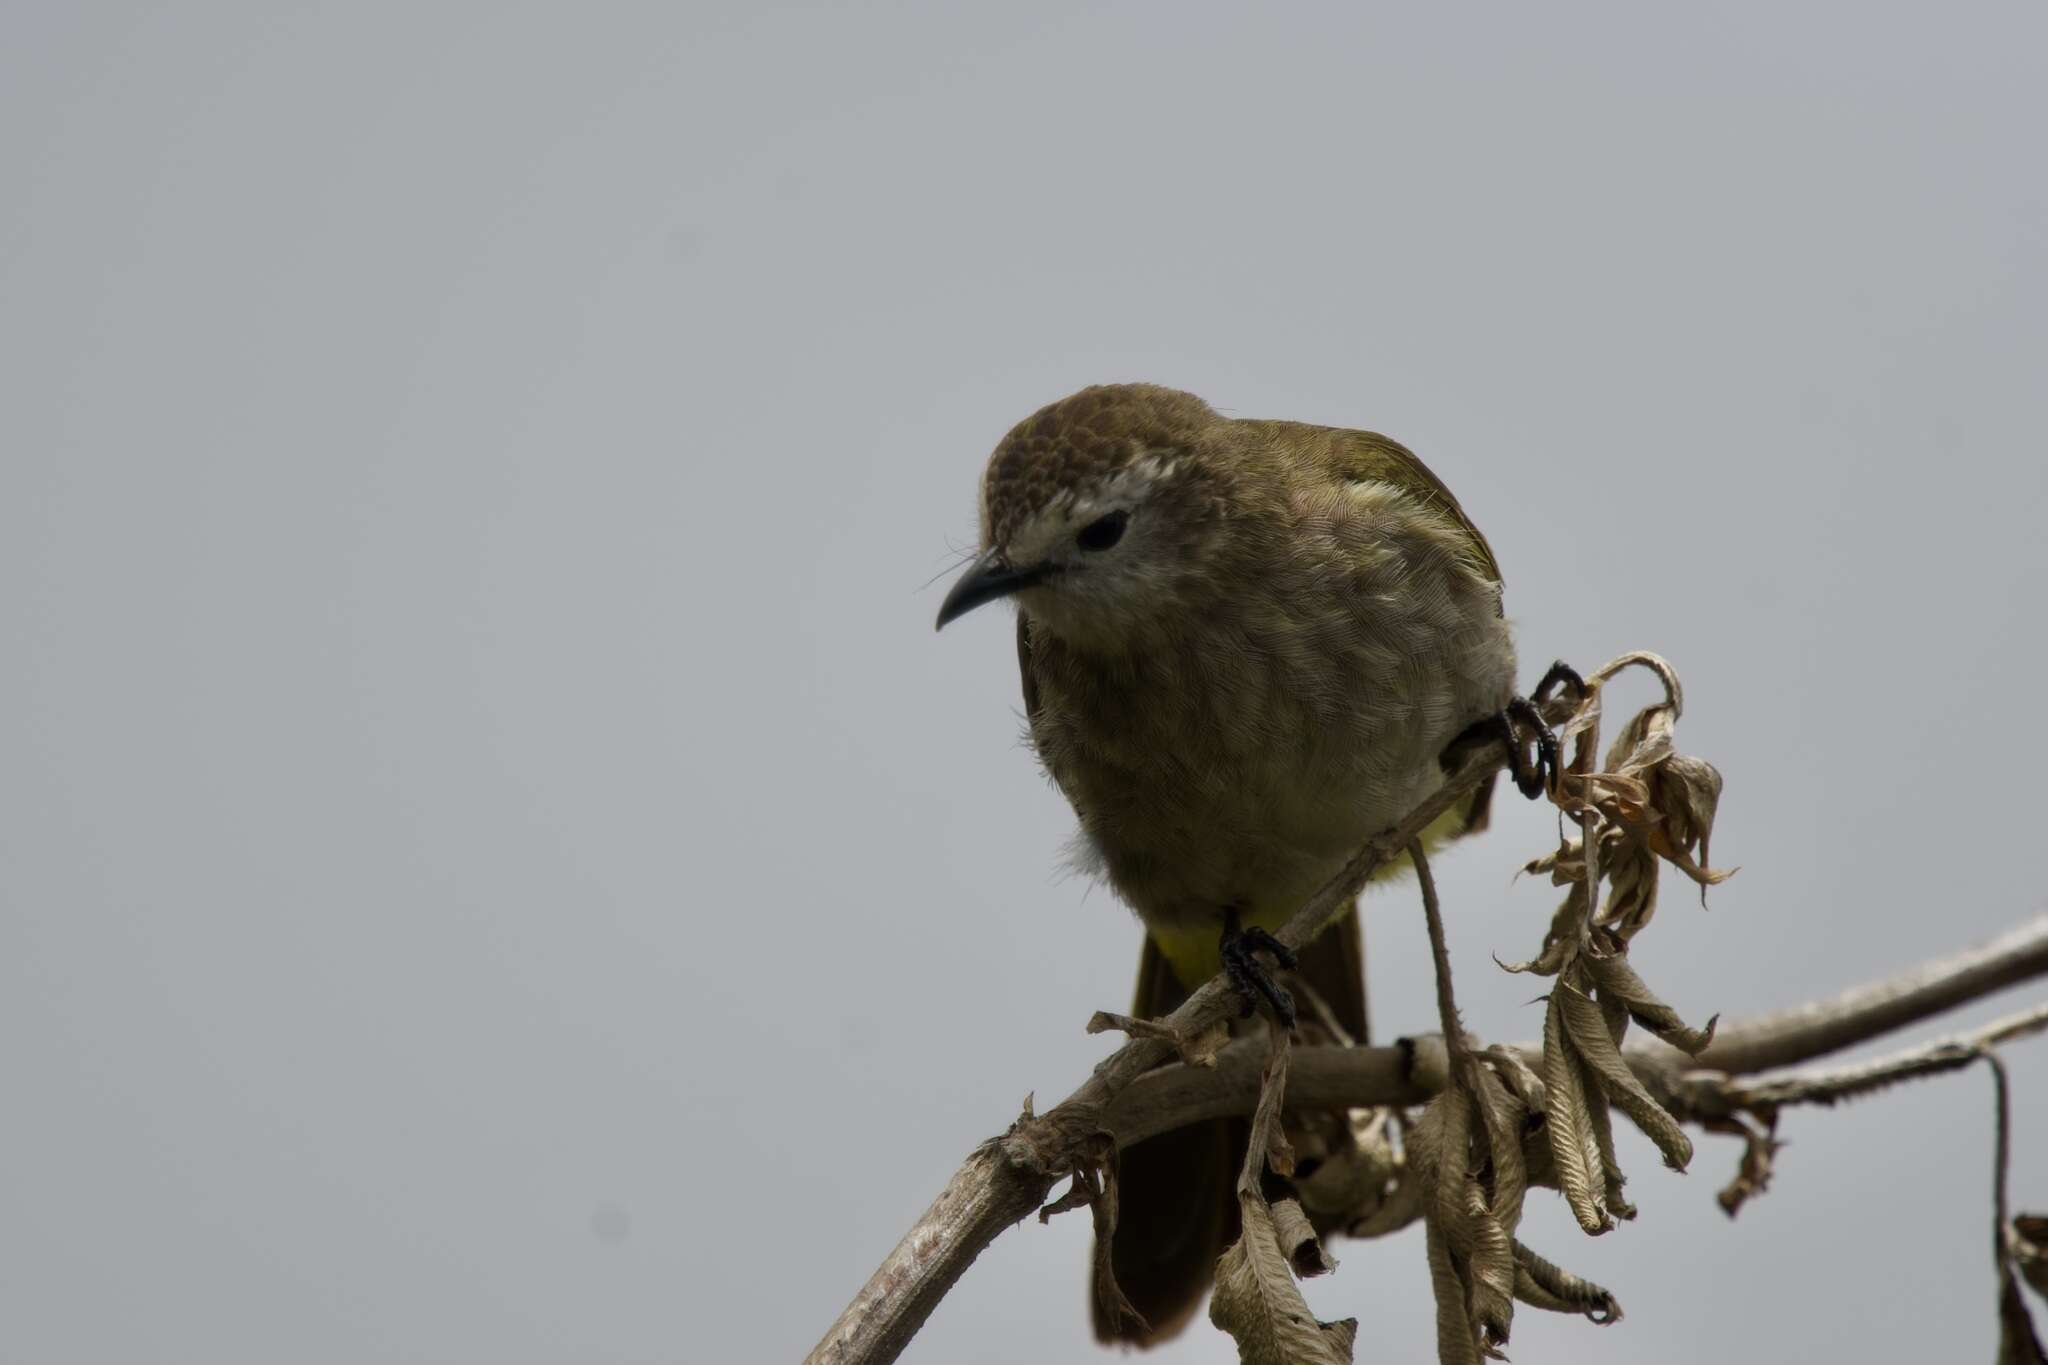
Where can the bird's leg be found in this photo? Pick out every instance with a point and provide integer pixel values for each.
(1254, 982)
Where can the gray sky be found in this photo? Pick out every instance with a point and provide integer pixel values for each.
(498, 867)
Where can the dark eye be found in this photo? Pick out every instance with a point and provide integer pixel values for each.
(1104, 531)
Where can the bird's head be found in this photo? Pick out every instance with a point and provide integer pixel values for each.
(1102, 514)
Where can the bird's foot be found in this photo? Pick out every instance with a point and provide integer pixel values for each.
(1520, 725)
(1559, 674)
(1252, 978)
(1531, 778)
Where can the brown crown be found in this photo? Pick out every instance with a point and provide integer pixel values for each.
(1081, 440)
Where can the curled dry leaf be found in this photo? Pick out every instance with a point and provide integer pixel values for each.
(1259, 1304)
(1467, 1157)
(1647, 805)
(1522, 1081)
(1540, 1284)
(1198, 1049)
(1654, 802)
(1759, 1152)
(1567, 1113)
(1094, 1186)
(1257, 1300)
(1615, 979)
(1298, 1240)
(2017, 1342)
(1357, 1170)
(1402, 1206)
(1561, 939)
(1612, 1180)
(2029, 1240)
(1587, 1031)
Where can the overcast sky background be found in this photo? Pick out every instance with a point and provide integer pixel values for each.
(496, 865)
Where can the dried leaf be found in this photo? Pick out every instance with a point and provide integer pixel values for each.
(2017, 1343)
(1753, 1174)
(1521, 1081)
(1612, 1180)
(1198, 1049)
(1689, 794)
(1588, 1033)
(1081, 1193)
(1456, 1343)
(1613, 976)
(1491, 1272)
(1269, 1134)
(1258, 1302)
(1631, 870)
(2029, 1241)
(1452, 1155)
(1541, 1284)
(1357, 1171)
(1402, 1206)
(1467, 1151)
(1507, 1176)
(1298, 1241)
(1095, 1186)
(1572, 1142)
(1651, 802)
(1561, 940)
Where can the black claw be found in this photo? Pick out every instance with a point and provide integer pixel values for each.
(1531, 779)
(1560, 673)
(1283, 955)
(1251, 978)
(1520, 725)
(1500, 728)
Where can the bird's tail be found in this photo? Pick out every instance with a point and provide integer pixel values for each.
(1177, 1201)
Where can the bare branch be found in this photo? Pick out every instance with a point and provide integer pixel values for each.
(1788, 1037)
(1007, 1178)
(1865, 1078)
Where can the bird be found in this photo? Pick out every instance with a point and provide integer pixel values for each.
(1245, 646)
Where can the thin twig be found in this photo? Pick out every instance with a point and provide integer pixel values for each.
(1440, 954)
(2001, 1159)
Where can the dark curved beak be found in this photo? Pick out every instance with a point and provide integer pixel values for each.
(985, 580)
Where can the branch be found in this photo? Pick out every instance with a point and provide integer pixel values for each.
(1710, 1091)
(1788, 1037)
(1009, 1176)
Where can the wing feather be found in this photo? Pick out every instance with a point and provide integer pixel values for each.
(1368, 457)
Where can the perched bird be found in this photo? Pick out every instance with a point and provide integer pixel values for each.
(1245, 647)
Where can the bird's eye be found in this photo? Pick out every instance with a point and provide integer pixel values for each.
(1104, 531)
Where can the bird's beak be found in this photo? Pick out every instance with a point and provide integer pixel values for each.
(985, 580)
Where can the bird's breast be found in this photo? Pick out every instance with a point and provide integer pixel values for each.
(1240, 764)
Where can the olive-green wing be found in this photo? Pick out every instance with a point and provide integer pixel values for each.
(1368, 457)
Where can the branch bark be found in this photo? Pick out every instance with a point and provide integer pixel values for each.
(1788, 1037)
(1336, 1077)
(1131, 1096)
(1009, 1176)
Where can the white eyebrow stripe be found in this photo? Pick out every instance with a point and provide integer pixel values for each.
(1129, 484)
(1069, 509)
